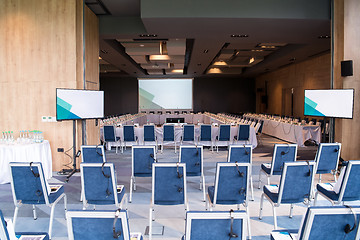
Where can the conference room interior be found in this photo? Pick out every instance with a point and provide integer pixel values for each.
(251, 60)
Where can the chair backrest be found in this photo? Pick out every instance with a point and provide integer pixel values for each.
(317, 221)
(98, 183)
(205, 133)
(350, 187)
(189, 133)
(97, 225)
(231, 183)
(224, 134)
(142, 159)
(327, 157)
(28, 183)
(4, 234)
(109, 133)
(282, 153)
(261, 126)
(205, 225)
(168, 132)
(92, 154)
(192, 156)
(296, 182)
(149, 133)
(243, 132)
(169, 183)
(129, 133)
(240, 154)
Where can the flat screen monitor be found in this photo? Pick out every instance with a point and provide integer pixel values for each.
(72, 104)
(165, 94)
(336, 103)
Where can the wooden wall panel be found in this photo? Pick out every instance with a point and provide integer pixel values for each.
(311, 74)
(38, 54)
(351, 127)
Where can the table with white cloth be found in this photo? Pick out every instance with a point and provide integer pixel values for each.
(139, 133)
(293, 133)
(30, 152)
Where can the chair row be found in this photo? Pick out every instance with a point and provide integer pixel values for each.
(199, 225)
(188, 135)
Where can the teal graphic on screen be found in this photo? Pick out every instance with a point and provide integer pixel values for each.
(165, 93)
(329, 103)
(72, 104)
(63, 110)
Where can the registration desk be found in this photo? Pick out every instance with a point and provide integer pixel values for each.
(30, 152)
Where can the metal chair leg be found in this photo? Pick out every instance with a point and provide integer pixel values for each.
(261, 206)
(150, 223)
(34, 212)
(131, 188)
(291, 210)
(15, 215)
(248, 222)
(274, 215)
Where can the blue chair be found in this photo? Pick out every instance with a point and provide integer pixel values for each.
(295, 187)
(259, 131)
(29, 186)
(243, 133)
(92, 154)
(5, 234)
(141, 164)
(224, 135)
(193, 157)
(128, 136)
(168, 135)
(99, 185)
(242, 154)
(149, 135)
(282, 153)
(335, 223)
(231, 187)
(206, 135)
(348, 185)
(327, 158)
(218, 225)
(110, 137)
(188, 134)
(99, 225)
(168, 187)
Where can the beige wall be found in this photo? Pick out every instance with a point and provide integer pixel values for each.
(38, 49)
(310, 74)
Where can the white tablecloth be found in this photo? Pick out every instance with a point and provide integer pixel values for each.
(292, 132)
(35, 152)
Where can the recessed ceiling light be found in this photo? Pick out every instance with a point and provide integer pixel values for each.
(220, 63)
(177, 71)
(147, 35)
(257, 50)
(267, 47)
(239, 35)
(251, 60)
(324, 37)
(142, 45)
(100, 58)
(206, 50)
(214, 70)
(159, 57)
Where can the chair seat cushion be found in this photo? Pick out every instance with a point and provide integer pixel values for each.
(32, 234)
(120, 196)
(272, 191)
(266, 167)
(327, 190)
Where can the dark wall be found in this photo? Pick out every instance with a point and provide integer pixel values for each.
(215, 95)
(230, 95)
(120, 95)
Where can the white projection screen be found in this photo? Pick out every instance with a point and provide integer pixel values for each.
(155, 94)
(329, 103)
(72, 104)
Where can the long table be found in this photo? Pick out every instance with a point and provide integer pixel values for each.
(289, 132)
(32, 152)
